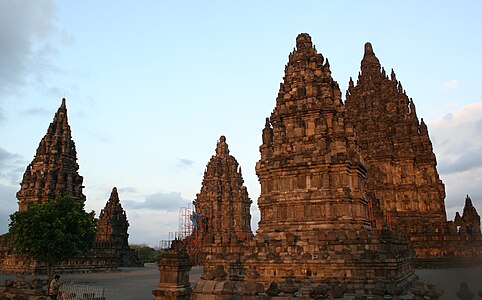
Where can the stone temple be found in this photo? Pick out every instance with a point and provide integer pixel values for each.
(315, 226)
(54, 173)
(223, 203)
(402, 176)
(54, 170)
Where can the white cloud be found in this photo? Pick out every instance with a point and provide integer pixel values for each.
(151, 226)
(11, 167)
(457, 142)
(171, 201)
(451, 85)
(184, 163)
(26, 36)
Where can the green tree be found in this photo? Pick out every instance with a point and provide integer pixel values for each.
(53, 231)
(145, 252)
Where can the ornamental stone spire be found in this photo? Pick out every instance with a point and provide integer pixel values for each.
(470, 219)
(311, 172)
(54, 170)
(370, 65)
(402, 174)
(315, 224)
(223, 201)
(113, 224)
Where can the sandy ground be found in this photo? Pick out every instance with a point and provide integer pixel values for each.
(138, 283)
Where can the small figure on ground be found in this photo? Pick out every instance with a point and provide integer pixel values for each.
(54, 288)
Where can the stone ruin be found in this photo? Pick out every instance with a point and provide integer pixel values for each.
(315, 232)
(223, 204)
(112, 233)
(347, 191)
(402, 176)
(54, 173)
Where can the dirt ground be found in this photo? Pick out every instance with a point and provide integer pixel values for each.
(138, 283)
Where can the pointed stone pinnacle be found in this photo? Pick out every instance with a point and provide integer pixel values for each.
(368, 48)
(114, 196)
(303, 41)
(222, 147)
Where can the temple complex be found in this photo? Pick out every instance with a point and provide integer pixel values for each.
(402, 176)
(315, 227)
(54, 173)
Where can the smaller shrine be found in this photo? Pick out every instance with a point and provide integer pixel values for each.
(112, 232)
(469, 222)
(223, 204)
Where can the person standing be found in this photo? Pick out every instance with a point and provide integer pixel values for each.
(54, 288)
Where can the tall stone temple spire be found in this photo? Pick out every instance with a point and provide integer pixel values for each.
(402, 174)
(54, 170)
(223, 201)
(113, 224)
(315, 219)
(311, 172)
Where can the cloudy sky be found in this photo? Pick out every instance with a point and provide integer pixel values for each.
(151, 85)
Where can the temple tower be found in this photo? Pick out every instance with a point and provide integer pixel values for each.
(402, 174)
(113, 224)
(53, 172)
(469, 222)
(311, 172)
(223, 202)
(315, 228)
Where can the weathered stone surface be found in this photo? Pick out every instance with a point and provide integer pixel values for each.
(396, 147)
(314, 211)
(311, 172)
(470, 219)
(223, 202)
(113, 224)
(403, 185)
(174, 266)
(54, 170)
(112, 230)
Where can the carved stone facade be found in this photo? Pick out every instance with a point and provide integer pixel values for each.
(311, 173)
(54, 173)
(315, 227)
(470, 219)
(54, 170)
(112, 225)
(402, 174)
(112, 232)
(223, 202)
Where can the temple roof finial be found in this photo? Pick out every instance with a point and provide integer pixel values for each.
(222, 146)
(114, 196)
(303, 41)
(370, 62)
(368, 48)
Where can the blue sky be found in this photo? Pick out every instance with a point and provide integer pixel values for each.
(151, 85)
